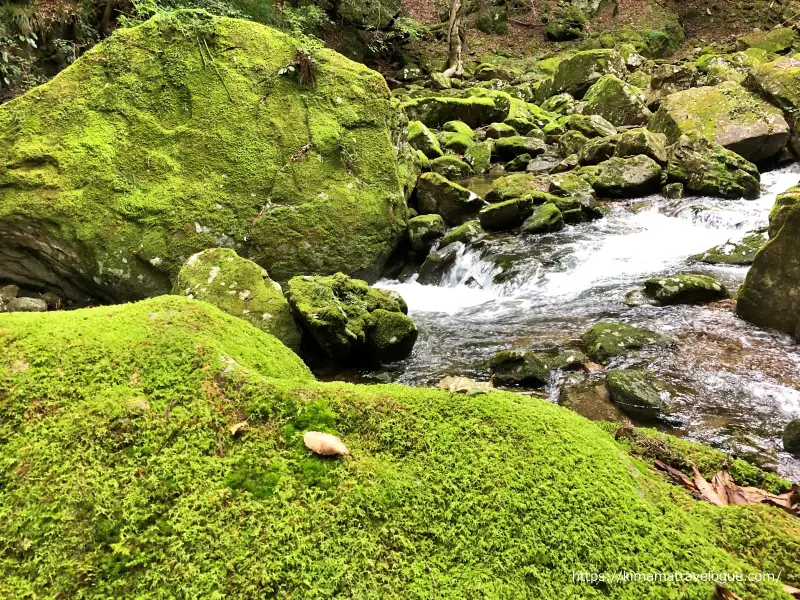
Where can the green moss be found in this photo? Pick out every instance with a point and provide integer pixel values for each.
(544, 219)
(421, 138)
(423, 231)
(741, 252)
(479, 157)
(240, 288)
(451, 167)
(436, 111)
(617, 102)
(604, 341)
(182, 134)
(495, 495)
(463, 233)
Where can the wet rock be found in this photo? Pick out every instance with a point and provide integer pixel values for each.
(500, 130)
(25, 304)
(437, 195)
(727, 114)
(438, 263)
(421, 138)
(562, 104)
(625, 177)
(637, 392)
(571, 143)
(512, 186)
(451, 167)
(578, 73)
(424, 231)
(685, 289)
(349, 321)
(479, 157)
(791, 437)
(617, 102)
(672, 191)
(508, 148)
(642, 141)
(510, 214)
(589, 125)
(708, 168)
(545, 218)
(531, 369)
(463, 233)
(240, 288)
(598, 150)
(607, 340)
(742, 252)
(589, 398)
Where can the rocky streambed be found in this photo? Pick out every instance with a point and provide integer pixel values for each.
(730, 383)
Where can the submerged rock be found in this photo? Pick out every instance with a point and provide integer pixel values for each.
(437, 195)
(240, 288)
(604, 341)
(531, 369)
(637, 392)
(165, 139)
(685, 289)
(708, 168)
(349, 321)
(727, 114)
(742, 252)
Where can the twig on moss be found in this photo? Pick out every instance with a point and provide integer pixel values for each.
(202, 57)
(214, 64)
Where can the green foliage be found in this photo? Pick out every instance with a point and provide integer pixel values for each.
(119, 478)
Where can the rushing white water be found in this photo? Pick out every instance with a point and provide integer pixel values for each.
(738, 385)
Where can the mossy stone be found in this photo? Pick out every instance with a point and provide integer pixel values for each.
(625, 177)
(166, 139)
(619, 103)
(464, 233)
(421, 138)
(597, 150)
(741, 252)
(435, 111)
(636, 391)
(779, 81)
(642, 141)
(791, 437)
(685, 289)
(451, 167)
(240, 288)
(545, 218)
(531, 369)
(607, 340)
(589, 125)
(578, 73)
(560, 104)
(456, 204)
(479, 157)
(424, 231)
(572, 142)
(459, 127)
(500, 130)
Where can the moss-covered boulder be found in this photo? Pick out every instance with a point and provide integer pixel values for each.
(736, 67)
(670, 78)
(459, 127)
(791, 437)
(508, 148)
(625, 177)
(779, 81)
(571, 143)
(424, 231)
(421, 138)
(240, 288)
(685, 288)
(597, 150)
(617, 102)
(770, 294)
(437, 195)
(350, 322)
(513, 186)
(500, 130)
(589, 125)
(545, 218)
(638, 392)
(577, 74)
(490, 71)
(464, 233)
(642, 141)
(510, 214)
(435, 111)
(189, 132)
(604, 341)
(494, 20)
(132, 473)
(451, 167)
(707, 168)
(368, 14)
(734, 252)
(727, 114)
(777, 40)
(438, 263)
(531, 369)
(479, 157)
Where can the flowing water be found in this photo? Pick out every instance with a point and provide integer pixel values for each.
(734, 385)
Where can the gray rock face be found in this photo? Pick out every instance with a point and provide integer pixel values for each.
(626, 177)
(27, 305)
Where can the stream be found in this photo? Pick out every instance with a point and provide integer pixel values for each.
(735, 385)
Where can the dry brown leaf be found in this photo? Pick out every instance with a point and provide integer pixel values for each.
(592, 366)
(706, 490)
(677, 475)
(792, 591)
(324, 444)
(727, 489)
(723, 593)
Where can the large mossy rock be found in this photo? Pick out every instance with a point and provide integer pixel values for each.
(607, 340)
(368, 14)
(240, 288)
(531, 369)
(707, 168)
(685, 288)
(634, 142)
(182, 134)
(734, 252)
(421, 138)
(617, 102)
(727, 114)
(351, 322)
(625, 177)
(435, 111)
(455, 203)
(577, 74)
(770, 295)
(779, 81)
(146, 474)
(637, 392)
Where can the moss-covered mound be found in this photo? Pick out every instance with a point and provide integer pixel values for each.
(190, 132)
(121, 477)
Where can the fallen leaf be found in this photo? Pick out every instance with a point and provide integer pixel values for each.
(792, 591)
(324, 444)
(706, 490)
(723, 593)
(684, 480)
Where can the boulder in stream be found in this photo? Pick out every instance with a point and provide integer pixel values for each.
(350, 322)
(464, 233)
(451, 167)
(741, 252)
(686, 288)
(240, 288)
(437, 195)
(589, 398)
(638, 392)
(438, 263)
(531, 369)
(607, 340)
(545, 218)
(424, 231)
(421, 138)
(512, 213)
